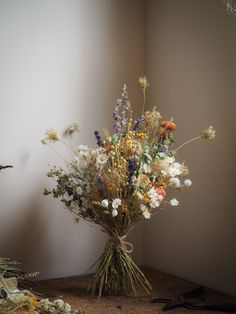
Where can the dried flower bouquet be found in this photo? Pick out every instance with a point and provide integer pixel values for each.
(118, 183)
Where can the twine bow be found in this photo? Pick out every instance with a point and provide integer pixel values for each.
(124, 244)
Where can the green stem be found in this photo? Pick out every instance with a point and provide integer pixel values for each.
(144, 100)
(186, 143)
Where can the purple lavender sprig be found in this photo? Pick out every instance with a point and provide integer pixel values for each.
(138, 123)
(121, 105)
(99, 139)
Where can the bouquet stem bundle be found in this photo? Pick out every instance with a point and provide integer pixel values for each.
(117, 273)
(121, 181)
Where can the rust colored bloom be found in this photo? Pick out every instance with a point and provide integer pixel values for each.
(169, 125)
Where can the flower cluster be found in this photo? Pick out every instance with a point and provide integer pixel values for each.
(15, 300)
(125, 178)
(128, 174)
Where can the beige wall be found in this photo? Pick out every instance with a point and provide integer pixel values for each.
(190, 49)
(61, 61)
(64, 61)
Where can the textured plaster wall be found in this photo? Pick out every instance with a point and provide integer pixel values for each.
(190, 49)
(61, 61)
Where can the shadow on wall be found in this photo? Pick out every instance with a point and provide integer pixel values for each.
(28, 236)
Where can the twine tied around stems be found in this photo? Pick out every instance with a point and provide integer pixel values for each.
(124, 244)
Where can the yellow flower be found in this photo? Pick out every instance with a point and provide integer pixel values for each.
(142, 136)
(30, 303)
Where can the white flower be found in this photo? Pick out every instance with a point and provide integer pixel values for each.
(152, 193)
(145, 211)
(139, 195)
(114, 212)
(101, 159)
(79, 190)
(116, 203)
(209, 133)
(105, 203)
(147, 214)
(175, 182)
(170, 160)
(187, 182)
(174, 202)
(146, 168)
(175, 169)
(154, 203)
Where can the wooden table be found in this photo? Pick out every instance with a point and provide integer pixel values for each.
(74, 291)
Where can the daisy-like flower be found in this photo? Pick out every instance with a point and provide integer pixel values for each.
(174, 202)
(175, 182)
(187, 182)
(209, 133)
(50, 136)
(116, 203)
(105, 203)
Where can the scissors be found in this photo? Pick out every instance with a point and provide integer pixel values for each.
(192, 301)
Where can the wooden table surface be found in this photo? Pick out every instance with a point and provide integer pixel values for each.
(74, 291)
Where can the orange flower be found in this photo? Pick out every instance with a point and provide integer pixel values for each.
(161, 191)
(30, 303)
(169, 125)
(108, 149)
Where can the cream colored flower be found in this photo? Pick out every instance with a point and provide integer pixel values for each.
(50, 136)
(105, 203)
(143, 82)
(187, 182)
(114, 212)
(209, 133)
(79, 190)
(116, 203)
(72, 129)
(174, 202)
(175, 182)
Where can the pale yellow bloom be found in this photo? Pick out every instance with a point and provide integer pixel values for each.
(143, 82)
(50, 136)
(209, 133)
